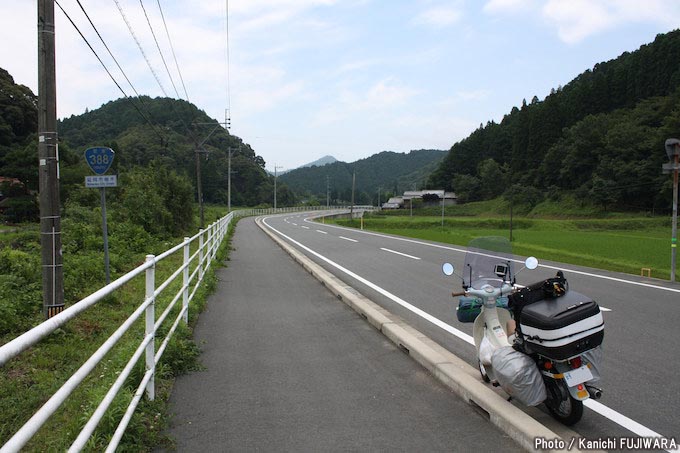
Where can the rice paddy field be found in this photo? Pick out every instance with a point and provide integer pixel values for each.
(617, 244)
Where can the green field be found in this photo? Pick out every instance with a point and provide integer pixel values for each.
(617, 244)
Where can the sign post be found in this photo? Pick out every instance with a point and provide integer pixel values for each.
(673, 152)
(100, 159)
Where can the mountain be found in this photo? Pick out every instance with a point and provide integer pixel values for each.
(171, 140)
(388, 171)
(325, 160)
(599, 138)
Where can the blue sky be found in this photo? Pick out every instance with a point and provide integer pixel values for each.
(349, 78)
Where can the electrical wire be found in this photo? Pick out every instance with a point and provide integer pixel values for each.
(228, 87)
(160, 52)
(141, 49)
(172, 48)
(163, 138)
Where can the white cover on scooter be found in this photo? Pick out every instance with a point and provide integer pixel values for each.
(519, 376)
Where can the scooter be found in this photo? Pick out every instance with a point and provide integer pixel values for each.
(559, 371)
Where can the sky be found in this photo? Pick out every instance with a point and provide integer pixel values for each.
(349, 78)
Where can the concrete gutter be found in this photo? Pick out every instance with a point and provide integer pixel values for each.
(452, 371)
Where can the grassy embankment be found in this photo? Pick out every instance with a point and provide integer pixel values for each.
(569, 234)
(27, 381)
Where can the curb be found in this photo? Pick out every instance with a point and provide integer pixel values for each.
(452, 371)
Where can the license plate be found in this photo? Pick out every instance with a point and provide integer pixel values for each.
(577, 376)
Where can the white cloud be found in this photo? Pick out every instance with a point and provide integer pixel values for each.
(578, 19)
(438, 17)
(508, 6)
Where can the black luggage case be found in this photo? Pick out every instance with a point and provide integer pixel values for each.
(563, 327)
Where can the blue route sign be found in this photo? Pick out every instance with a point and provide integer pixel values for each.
(99, 159)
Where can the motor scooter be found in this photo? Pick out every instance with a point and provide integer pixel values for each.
(565, 357)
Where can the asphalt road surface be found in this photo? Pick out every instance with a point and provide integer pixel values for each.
(642, 316)
(288, 367)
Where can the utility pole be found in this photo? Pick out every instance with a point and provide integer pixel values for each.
(48, 161)
(200, 150)
(328, 192)
(673, 152)
(275, 176)
(351, 209)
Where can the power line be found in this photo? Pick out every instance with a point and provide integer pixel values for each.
(226, 21)
(160, 52)
(172, 48)
(109, 72)
(141, 49)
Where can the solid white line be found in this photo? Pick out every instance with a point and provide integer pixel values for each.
(562, 268)
(616, 417)
(320, 231)
(348, 239)
(437, 322)
(600, 408)
(399, 253)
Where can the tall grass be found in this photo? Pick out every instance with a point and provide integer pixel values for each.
(625, 244)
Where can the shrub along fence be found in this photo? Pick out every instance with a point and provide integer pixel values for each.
(194, 265)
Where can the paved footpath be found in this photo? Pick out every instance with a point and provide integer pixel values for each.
(291, 368)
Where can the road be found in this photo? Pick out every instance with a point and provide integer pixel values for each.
(642, 391)
(288, 367)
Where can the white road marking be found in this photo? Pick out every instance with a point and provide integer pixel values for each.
(454, 249)
(320, 231)
(294, 224)
(348, 239)
(605, 309)
(305, 227)
(399, 253)
(600, 408)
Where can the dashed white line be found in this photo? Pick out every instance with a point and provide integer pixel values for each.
(294, 223)
(399, 253)
(305, 227)
(348, 239)
(321, 231)
(603, 410)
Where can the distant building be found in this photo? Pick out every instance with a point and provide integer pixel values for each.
(431, 197)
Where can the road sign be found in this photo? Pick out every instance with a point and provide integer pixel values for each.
(99, 159)
(100, 181)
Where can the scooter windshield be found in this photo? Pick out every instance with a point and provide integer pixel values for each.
(488, 260)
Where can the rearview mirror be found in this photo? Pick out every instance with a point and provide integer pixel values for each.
(531, 263)
(447, 269)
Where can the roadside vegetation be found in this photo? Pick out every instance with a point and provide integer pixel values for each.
(582, 236)
(138, 226)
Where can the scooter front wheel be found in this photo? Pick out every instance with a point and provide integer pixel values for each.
(482, 371)
(567, 411)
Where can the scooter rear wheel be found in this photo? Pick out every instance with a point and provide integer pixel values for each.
(568, 411)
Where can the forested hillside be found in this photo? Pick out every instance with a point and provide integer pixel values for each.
(599, 138)
(388, 171)
(178, 128)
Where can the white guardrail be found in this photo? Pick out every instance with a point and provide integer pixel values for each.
(209, 240)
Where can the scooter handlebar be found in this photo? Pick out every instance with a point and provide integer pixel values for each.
(458, 294)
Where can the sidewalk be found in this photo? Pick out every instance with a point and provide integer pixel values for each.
(291, 368)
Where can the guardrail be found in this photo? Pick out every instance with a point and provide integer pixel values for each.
(209, 241)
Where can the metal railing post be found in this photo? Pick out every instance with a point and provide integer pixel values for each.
(185, 280)
(150, 330)
(200, 255)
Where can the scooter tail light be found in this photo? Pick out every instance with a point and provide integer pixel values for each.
(576, 362)
(548, 365)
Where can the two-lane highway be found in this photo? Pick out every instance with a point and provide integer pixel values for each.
(642, 392)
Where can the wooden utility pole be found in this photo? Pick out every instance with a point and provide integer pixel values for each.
(351, 209)
(48, 161)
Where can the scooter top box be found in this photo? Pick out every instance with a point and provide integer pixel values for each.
(563, 327)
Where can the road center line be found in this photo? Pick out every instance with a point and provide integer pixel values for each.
(305, 227)
(320, 231)
(461, 250)
(597, 407)
(348, 239)
(399, 253)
